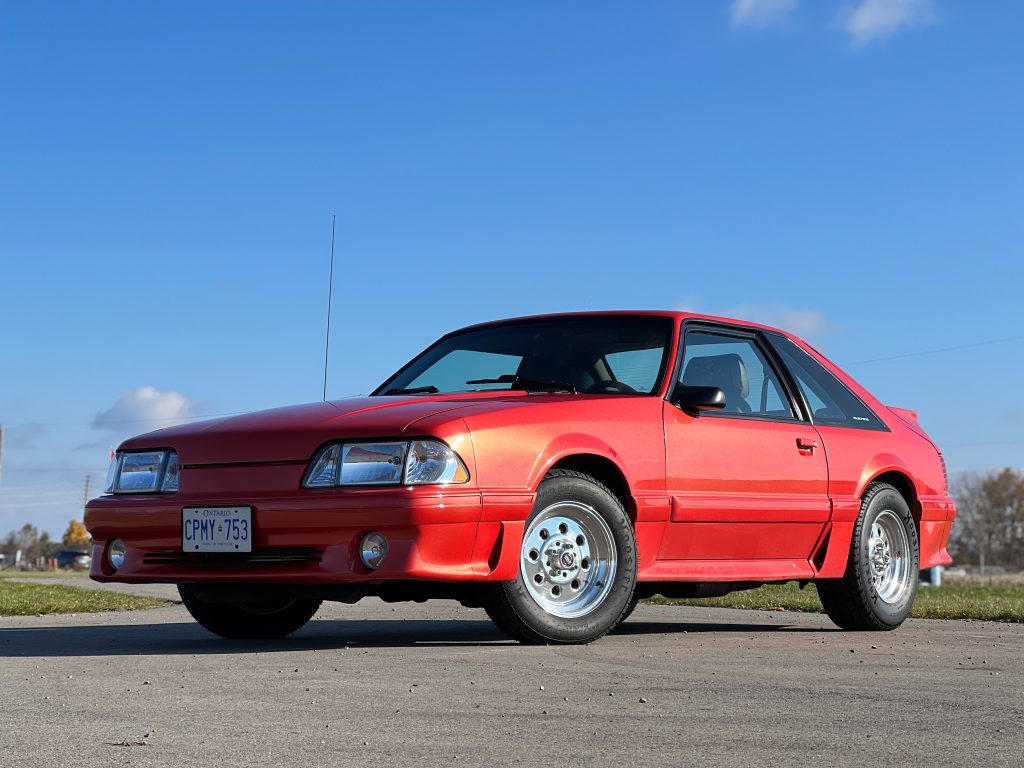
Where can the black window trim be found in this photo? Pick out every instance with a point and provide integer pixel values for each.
(757, 336)
(772, 338)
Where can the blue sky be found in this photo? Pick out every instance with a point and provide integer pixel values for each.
(851, 171)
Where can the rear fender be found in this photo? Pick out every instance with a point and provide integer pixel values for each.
(885, 463)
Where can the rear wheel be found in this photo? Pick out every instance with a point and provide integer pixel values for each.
(577, 570)
(249, 621)
(878, 589)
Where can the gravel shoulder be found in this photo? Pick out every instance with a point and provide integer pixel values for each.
(436, 684)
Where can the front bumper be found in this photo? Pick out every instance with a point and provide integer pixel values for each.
(312, 537)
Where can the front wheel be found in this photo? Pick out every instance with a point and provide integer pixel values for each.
(249, 621)
(878, 589)
(577, 571)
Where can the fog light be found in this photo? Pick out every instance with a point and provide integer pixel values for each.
(116, 553)
(373, 550)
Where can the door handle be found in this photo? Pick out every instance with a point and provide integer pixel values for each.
(806, 444)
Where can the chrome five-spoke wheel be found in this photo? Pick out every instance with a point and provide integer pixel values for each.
(568, 559)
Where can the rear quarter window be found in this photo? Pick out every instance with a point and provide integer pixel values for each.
(831, 402)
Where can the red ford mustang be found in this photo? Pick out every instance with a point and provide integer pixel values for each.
(553, 470)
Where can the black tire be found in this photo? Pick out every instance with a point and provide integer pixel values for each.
(630, 608)
(512, 606)
(249, 621)
(854, 601)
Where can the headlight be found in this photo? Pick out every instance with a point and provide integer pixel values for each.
(171, 476)
(372, 463)
(143, 472)
(433, 462)
(415, 462)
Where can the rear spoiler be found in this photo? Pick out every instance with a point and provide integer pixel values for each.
(909, 418)
(904, 413)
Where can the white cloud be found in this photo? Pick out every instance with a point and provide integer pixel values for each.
(809, 324)
(805, 323)
(146, 405)
(759, 13)
(871, 20)
(690, 304)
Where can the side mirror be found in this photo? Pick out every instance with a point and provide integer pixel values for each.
(697, 399)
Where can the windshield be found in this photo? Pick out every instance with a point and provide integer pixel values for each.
(608, 355)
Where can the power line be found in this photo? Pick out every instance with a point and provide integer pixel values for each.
(58, 470)
(935, 351)
(32, 487)
(980, 445)
(39, 505)
(175, 419)
(36, 495)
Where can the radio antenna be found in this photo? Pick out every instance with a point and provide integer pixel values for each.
(330, 298)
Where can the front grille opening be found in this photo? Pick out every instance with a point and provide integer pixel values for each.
(265, 556)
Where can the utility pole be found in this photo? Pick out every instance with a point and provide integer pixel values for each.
(85, 495)
(1, 454)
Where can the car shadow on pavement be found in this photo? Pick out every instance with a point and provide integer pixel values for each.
(161, 638)
(635, 627)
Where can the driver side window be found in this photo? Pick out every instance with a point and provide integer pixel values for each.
(737, 366)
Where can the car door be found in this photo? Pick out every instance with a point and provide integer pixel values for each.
(749, 481)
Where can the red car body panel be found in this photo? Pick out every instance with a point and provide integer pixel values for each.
(726, 500)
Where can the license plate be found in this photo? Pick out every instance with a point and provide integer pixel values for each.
(216, 529)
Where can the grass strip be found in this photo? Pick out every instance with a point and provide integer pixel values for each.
(20, 599)
(17, 573)
(980, 603)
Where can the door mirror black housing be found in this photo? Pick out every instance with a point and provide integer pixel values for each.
(697, 399)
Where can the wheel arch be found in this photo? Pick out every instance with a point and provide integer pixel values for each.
(601, 467)
(901, 479)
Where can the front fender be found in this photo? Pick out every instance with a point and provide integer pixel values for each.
(575, 444)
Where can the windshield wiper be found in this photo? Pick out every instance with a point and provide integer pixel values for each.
(430, 389)
(519, 382)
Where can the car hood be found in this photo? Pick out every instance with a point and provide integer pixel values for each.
(294, 433)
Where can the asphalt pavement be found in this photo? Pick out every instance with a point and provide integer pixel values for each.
(435, 684)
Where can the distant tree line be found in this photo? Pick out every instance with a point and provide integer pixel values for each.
(989, 526)
(33, 543)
